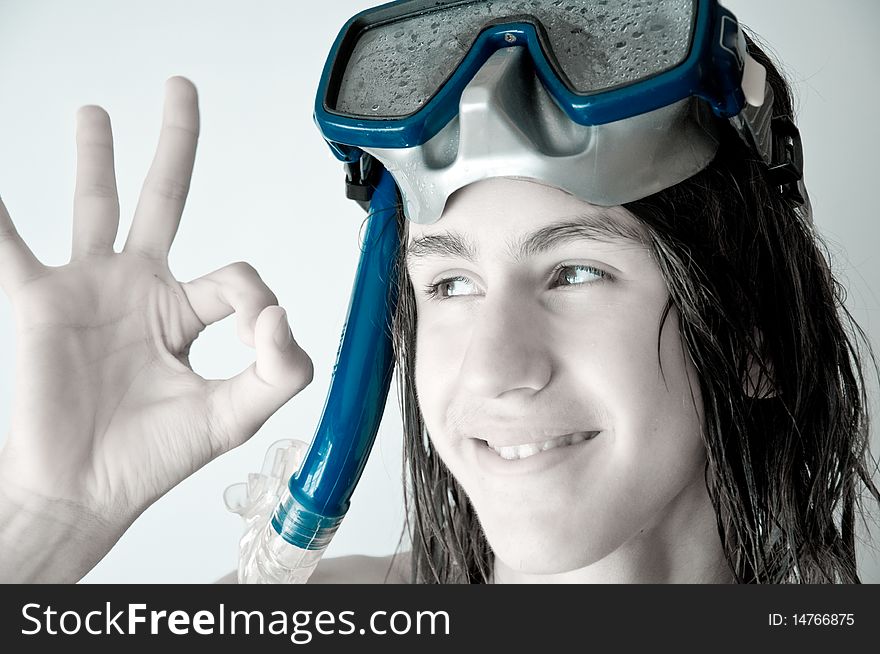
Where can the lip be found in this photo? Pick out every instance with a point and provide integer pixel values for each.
(491, 462)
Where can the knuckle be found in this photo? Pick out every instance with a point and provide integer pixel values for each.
(251, 281)
(103, 190)
(310, 372)
(190, 131)
(169, 188)
(243, 269)
(304, 371)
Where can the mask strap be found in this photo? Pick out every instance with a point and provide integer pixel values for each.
(775, 139)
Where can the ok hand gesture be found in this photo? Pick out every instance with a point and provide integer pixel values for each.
(108, 414)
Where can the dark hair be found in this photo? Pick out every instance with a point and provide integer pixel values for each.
(780, 362)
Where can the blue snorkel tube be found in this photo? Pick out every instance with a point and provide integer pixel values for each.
(320, 491)
(318, 494)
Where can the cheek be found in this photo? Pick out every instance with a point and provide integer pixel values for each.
(662, 412)
(438, 355)
(649, 391)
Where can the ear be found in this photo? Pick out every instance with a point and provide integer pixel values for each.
(759, 381)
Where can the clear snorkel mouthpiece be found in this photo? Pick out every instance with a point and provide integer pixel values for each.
(275, 561)
(268, 557)
(287, 549)
(264, 557)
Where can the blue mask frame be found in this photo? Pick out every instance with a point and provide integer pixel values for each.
(713, 71)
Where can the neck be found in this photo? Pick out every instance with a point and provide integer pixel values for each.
(681, 546)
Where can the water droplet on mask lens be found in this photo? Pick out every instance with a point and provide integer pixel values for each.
(375, 107)
(620, 44)
(638, 35)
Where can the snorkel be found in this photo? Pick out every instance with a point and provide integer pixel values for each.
(505, 102)
(318, 494)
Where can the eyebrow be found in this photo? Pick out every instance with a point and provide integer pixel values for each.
(598, 226)
(444, 244)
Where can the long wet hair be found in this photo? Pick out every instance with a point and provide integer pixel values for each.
(781, 366)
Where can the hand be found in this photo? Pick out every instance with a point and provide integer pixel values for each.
(108, 414)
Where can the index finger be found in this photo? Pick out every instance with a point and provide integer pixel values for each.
(17, 262)
(163, 196)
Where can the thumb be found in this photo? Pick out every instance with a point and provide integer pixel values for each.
(242, 404)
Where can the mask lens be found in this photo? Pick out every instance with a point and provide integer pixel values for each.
(397, 67)
(602, 45)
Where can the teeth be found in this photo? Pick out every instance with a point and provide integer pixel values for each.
(530, 449)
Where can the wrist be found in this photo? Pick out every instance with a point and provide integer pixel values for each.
(49, 540)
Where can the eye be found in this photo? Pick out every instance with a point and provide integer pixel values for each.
(577, 274)
(451, 287)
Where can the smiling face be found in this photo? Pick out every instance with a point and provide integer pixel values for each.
(538, 375)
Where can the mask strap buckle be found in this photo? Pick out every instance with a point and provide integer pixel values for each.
(786, 168)
(361, 177)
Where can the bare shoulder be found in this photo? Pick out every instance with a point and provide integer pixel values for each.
(359, 569)
(354, 569)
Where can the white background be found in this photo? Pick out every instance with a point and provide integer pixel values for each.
(266, 190)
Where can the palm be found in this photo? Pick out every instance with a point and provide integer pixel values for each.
(107, 411)
(105, 348)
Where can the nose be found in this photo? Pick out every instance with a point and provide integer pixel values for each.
(507, 352)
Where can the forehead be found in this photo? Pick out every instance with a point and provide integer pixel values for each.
(506, 210)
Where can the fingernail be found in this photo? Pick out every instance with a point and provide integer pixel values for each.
(282, 335)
